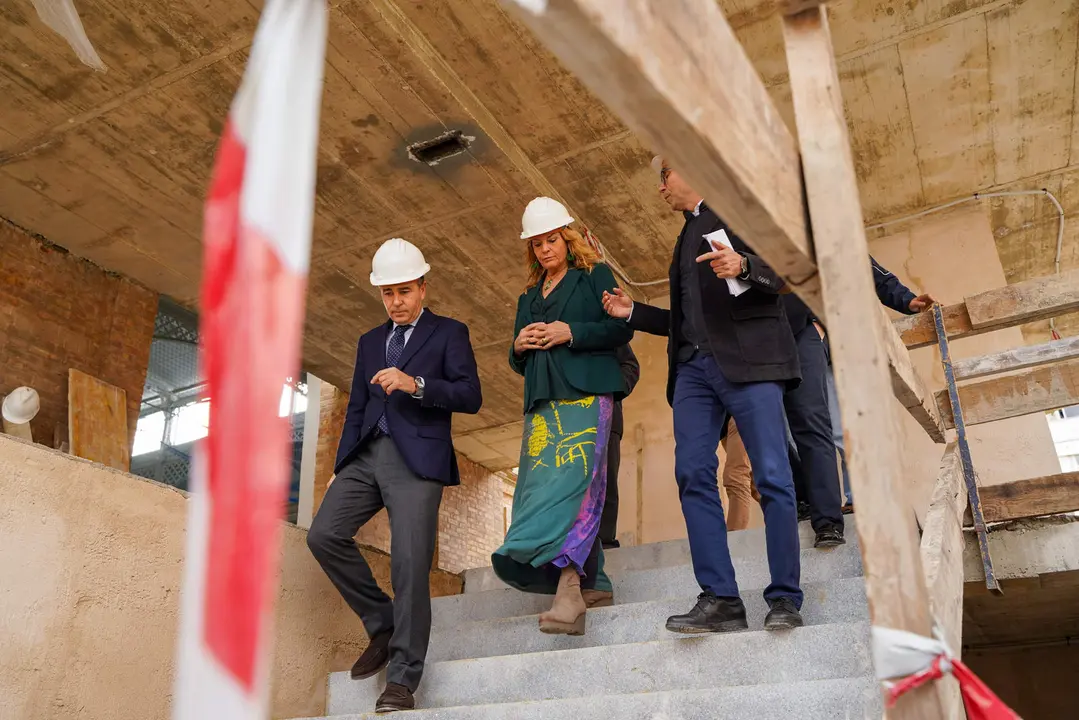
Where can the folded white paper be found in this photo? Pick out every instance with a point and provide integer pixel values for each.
(715, 239)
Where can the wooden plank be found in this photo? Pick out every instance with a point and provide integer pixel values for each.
(1008, 306)
(941, 551)
(907, 385)
(331, 421)
(895, 582)
(1017, 359)
(942, 547)
(97, 421)
(1049, 495)
(716, 123)
(1031, 391)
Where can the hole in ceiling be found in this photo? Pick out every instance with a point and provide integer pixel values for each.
(437, 149)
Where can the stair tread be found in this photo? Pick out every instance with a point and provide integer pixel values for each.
(831, 651)
(645, 585)
(742, 543)
(808, 700)
(832, 601)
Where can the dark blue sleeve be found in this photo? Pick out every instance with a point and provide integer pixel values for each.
(459, 390)
(891, 292)
(357, 404)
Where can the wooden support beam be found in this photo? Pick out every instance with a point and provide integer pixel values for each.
(97, 421)
(1038, 299)
(895, 581)
(1035, 390)
(907, 385)
(942, 560)
(689, 90)
(1049, 495)
(942, 547)
(1017, 359)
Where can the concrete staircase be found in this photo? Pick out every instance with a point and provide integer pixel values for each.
(488, 660)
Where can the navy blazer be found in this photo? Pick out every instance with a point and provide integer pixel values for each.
(439, 351)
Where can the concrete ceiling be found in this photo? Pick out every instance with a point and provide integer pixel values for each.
(943, 99)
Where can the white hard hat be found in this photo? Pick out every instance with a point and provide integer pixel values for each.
(542, 216)
(397, 261)
(21, 405)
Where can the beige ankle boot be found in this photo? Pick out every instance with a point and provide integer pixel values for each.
(567, 613)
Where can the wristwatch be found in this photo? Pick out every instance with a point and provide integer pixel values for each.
(745, 268)
(419, 388)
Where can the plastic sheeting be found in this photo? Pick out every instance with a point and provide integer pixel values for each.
(61, 16)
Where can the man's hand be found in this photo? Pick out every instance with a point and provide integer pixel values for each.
(725, 262)
(528, 338)
(617, 303)
(392, 379)
(922, 303)
(556, 333)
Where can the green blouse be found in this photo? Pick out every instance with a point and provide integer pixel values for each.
(588, 365)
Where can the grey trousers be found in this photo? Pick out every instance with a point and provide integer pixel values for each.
(379, 478)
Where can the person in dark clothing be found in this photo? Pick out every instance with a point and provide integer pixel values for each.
(608, 524)
(733, 353)
(893, 294)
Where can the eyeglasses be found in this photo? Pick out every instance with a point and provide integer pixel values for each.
(664, 173)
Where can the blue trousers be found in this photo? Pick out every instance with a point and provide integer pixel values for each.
(702, 397)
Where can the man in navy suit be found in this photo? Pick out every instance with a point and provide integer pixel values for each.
(412, 373)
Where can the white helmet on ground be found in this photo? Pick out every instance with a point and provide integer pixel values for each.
(542, 216)
(21, 405)
(397, 261)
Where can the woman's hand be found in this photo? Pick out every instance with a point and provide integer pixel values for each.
(617, 304)
(528, 339)
(556, 333)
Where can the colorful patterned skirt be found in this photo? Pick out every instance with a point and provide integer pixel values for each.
(561, 487)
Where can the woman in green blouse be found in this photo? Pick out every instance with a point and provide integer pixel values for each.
(565, 348)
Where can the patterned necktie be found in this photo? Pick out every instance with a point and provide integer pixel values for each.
(393, 356)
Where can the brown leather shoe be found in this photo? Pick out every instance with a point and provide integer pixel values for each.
(374, 658)
(394, 698)
(597, 598)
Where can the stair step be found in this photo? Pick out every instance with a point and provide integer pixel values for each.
(742, 543)
(843, 699)
(819, 652)
(675, 581)
(833, 601)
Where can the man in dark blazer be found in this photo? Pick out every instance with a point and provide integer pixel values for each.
(727, 354)
(412, 373)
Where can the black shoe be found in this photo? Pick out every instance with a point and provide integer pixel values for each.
(829, 536)
(783, 615)
(710, 614)
(610, 544)
(803, 511)
(848, 508)
(374, 658)
(394, 698)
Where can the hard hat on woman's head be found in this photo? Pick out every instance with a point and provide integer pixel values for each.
(397, 261)
(542, 216)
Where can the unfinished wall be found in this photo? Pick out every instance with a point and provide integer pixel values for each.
(1036, 682)
(470, 521)
(91, 560)
(953, 255)
(59, 312)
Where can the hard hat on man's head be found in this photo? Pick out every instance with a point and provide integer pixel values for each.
(397, 261)
(542, 216)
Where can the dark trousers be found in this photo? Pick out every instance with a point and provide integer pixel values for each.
(379, 478)
(702, 397)
(811, 427)
(608, 522)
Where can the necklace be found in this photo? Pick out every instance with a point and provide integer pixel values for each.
(550, 283)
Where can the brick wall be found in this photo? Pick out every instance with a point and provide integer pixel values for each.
(471, 519)
(57, 312)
